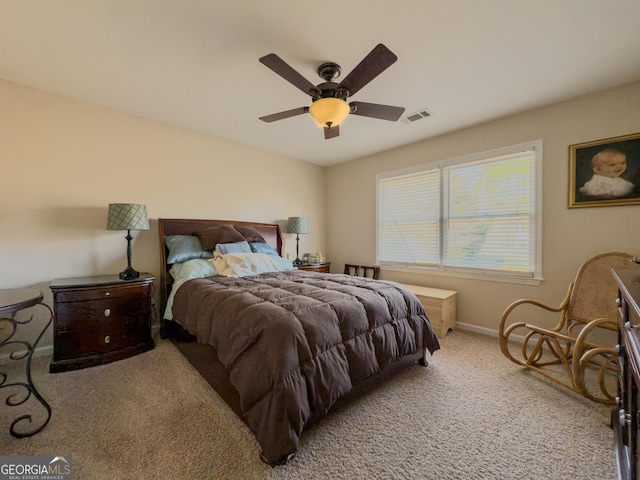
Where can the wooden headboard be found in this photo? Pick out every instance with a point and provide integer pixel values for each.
(186, 226)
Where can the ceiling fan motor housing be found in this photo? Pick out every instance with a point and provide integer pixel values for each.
(330, 90)
(329, 71)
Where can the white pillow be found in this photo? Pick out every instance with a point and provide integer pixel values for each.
(195, 268)
(243, 264)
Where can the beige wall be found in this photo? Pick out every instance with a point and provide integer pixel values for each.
(64, 161)
(570, 236)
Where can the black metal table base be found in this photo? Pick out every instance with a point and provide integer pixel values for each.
(24, 390)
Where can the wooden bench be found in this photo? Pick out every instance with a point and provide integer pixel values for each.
(440, 306)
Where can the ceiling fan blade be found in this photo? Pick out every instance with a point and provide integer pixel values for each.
(332, 132)
(286, 114)
(287, 72)
(383, 112)
(376, 62)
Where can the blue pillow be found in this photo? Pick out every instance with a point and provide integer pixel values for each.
(237, 247)
(184, 247)
(284, 263)
(262, 247)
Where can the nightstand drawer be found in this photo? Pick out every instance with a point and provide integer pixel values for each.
(74, 315)
(92, 337)
(100, 293)
(322, 268)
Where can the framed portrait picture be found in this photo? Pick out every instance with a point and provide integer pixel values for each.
(605, 172)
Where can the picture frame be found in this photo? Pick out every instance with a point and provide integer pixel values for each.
(605, 172)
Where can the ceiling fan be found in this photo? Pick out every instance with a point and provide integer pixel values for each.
(329, 105)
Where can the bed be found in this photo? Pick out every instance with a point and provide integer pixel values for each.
(283, 347)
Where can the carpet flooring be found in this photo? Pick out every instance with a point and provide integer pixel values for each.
(471, 414)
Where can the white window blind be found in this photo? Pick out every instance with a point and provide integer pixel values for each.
(409, 218)
(475, 214)
(489, 214)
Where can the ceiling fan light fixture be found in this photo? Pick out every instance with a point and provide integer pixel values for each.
(329, 112)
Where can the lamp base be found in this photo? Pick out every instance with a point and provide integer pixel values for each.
(297, 262)
(129, 274)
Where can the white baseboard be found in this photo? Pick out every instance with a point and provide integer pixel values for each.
(476, 329)
(490, 332)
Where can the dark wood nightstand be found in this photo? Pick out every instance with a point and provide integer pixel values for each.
(320, 267)
(99, 320)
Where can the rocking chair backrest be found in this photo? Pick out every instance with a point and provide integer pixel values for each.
(595, 291)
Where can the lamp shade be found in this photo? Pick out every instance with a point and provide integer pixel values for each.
(127, 216)
(329, 112)
(298, 225)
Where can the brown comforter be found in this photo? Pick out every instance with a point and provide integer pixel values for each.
(294, 342)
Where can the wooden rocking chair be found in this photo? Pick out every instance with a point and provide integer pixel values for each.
(577, 353)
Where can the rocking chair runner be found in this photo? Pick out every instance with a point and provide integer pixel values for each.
(574, 345)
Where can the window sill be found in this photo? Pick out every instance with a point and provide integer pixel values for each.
(488, 276)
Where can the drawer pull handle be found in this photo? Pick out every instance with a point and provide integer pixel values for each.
(107, 312)
(107, 293)
(624, 417)
(107, 339)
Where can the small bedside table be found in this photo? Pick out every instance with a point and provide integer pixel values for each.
(319, 267)
(99, 320)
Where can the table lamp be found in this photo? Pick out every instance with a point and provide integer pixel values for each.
(127, 216)
(297, 225)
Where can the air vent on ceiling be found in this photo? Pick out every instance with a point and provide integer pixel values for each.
(414, 117)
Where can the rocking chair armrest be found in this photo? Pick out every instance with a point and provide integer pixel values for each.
(535, 303)
(561, 308)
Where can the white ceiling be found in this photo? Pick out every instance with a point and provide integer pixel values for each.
(194, 63)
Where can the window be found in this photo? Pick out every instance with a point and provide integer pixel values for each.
(473, 215)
